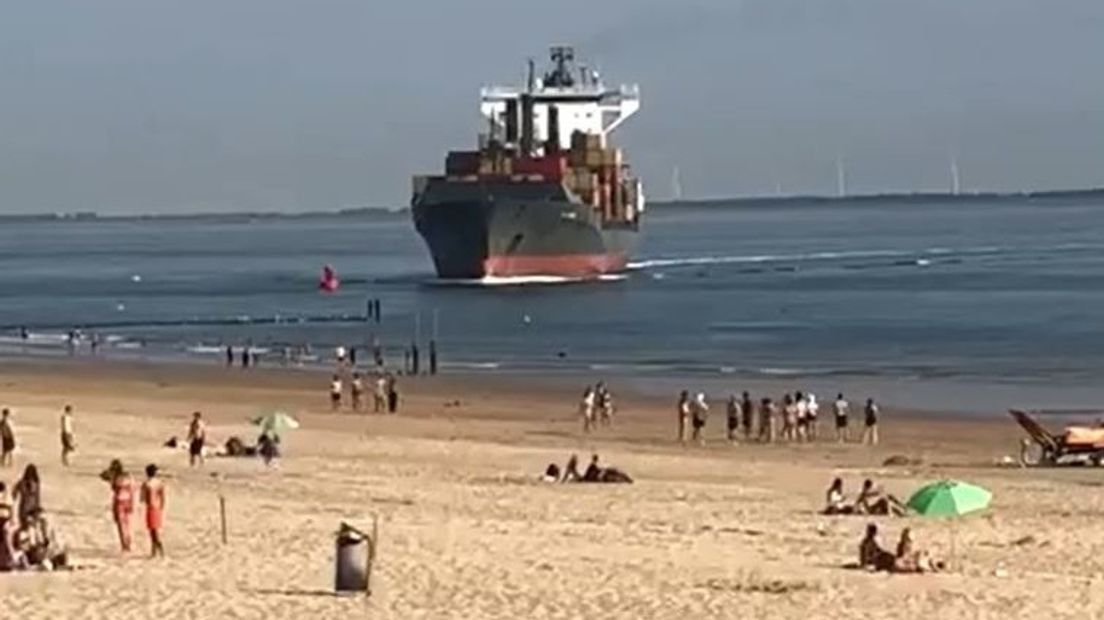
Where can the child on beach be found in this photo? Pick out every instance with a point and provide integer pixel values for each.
(153, 496)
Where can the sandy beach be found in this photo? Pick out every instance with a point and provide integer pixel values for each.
(468, 531)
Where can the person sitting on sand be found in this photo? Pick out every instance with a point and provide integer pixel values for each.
(871, 501)
(268, 446)
(836, 502)
(40, 543)
(871, 554)
(571, 470)
(593, 471)
(11, 558)
(909, 560)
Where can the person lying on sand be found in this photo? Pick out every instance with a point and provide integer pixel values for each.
(835, 501)
(597, 473)
(908, 560)
(872, 501)
(551, 473)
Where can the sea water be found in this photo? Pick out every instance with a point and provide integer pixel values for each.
(1000, 291)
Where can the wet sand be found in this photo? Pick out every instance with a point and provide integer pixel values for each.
(469, 532)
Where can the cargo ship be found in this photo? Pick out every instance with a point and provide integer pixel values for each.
(545, 193)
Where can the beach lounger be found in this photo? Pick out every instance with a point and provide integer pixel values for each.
(1076, 444)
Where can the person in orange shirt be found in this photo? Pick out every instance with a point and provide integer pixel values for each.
(153, 496)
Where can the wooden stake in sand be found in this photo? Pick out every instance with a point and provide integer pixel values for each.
(222, 516)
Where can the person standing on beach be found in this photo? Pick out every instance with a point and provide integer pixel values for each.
(122, 501)
(229, 356)
(379, 396)
(699, 412)
(27, 493)
(153, 496)
(356, 390)
(841, 409)
(789, 418)
(766, 423)
(335, 393)
(812, 410)
(801, 428)
(747, 412)
(733, 418)
(393, 394)
(7, 439)
(68, 439)
(197, 437)
(870, 433)
(683, 415)
(586, 408)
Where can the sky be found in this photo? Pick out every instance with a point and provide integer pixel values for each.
(176, 106)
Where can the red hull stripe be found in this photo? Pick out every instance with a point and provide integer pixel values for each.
(568, 265)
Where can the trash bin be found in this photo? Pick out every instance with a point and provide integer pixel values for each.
(355, 551)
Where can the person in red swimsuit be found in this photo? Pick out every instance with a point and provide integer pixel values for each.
(153, 496)
(122, 500)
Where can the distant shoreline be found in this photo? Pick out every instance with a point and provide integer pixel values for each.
(391, 213)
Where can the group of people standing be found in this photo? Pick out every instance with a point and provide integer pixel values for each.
(385, 393)
(28, 541)
(794, 418)
(8, 440)
(596, 407)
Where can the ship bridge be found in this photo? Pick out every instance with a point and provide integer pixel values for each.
(543, 114)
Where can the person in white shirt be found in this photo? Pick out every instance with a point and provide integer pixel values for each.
(802, 407)
(335, 393)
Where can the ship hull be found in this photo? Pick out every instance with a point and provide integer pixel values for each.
(518, 231)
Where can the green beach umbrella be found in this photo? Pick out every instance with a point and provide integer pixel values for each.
(276, 421)
(949, 498)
